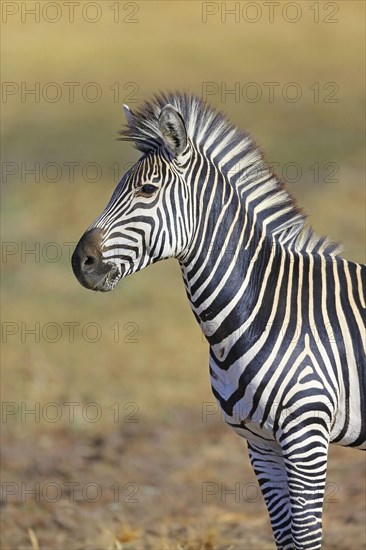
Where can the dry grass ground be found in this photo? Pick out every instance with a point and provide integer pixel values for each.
(158, 467)
(162, 471)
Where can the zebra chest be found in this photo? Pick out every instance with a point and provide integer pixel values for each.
(224, 382)
(239, 403)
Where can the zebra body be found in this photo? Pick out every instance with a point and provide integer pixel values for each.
(285, 363)
(284, 315)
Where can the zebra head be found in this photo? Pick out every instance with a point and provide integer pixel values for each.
(148, 216)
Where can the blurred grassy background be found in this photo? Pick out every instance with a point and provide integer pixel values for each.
(165, 371)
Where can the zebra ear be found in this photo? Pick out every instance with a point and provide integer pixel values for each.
(128, 114)
(173, 129)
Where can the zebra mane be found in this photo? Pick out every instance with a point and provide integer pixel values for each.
(237, 155)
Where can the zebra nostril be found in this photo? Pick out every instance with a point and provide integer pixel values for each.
(90, 263)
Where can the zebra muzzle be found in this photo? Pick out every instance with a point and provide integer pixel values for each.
(88, 265)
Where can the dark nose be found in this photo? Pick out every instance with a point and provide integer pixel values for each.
(87, 263)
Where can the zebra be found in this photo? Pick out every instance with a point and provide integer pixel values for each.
(283, 313)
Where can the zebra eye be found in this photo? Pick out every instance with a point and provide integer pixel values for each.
(147, 190)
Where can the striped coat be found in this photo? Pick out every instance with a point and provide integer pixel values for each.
(283, 313)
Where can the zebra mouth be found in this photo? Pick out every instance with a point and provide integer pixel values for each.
(111, 278)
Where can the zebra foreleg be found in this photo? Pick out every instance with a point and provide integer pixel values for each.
(306, 467)
(269, 467)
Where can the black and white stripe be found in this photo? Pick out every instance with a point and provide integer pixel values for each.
(284, 315)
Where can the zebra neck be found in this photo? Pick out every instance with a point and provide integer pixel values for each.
(245, 223)
(224, 283)
(239, 173)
